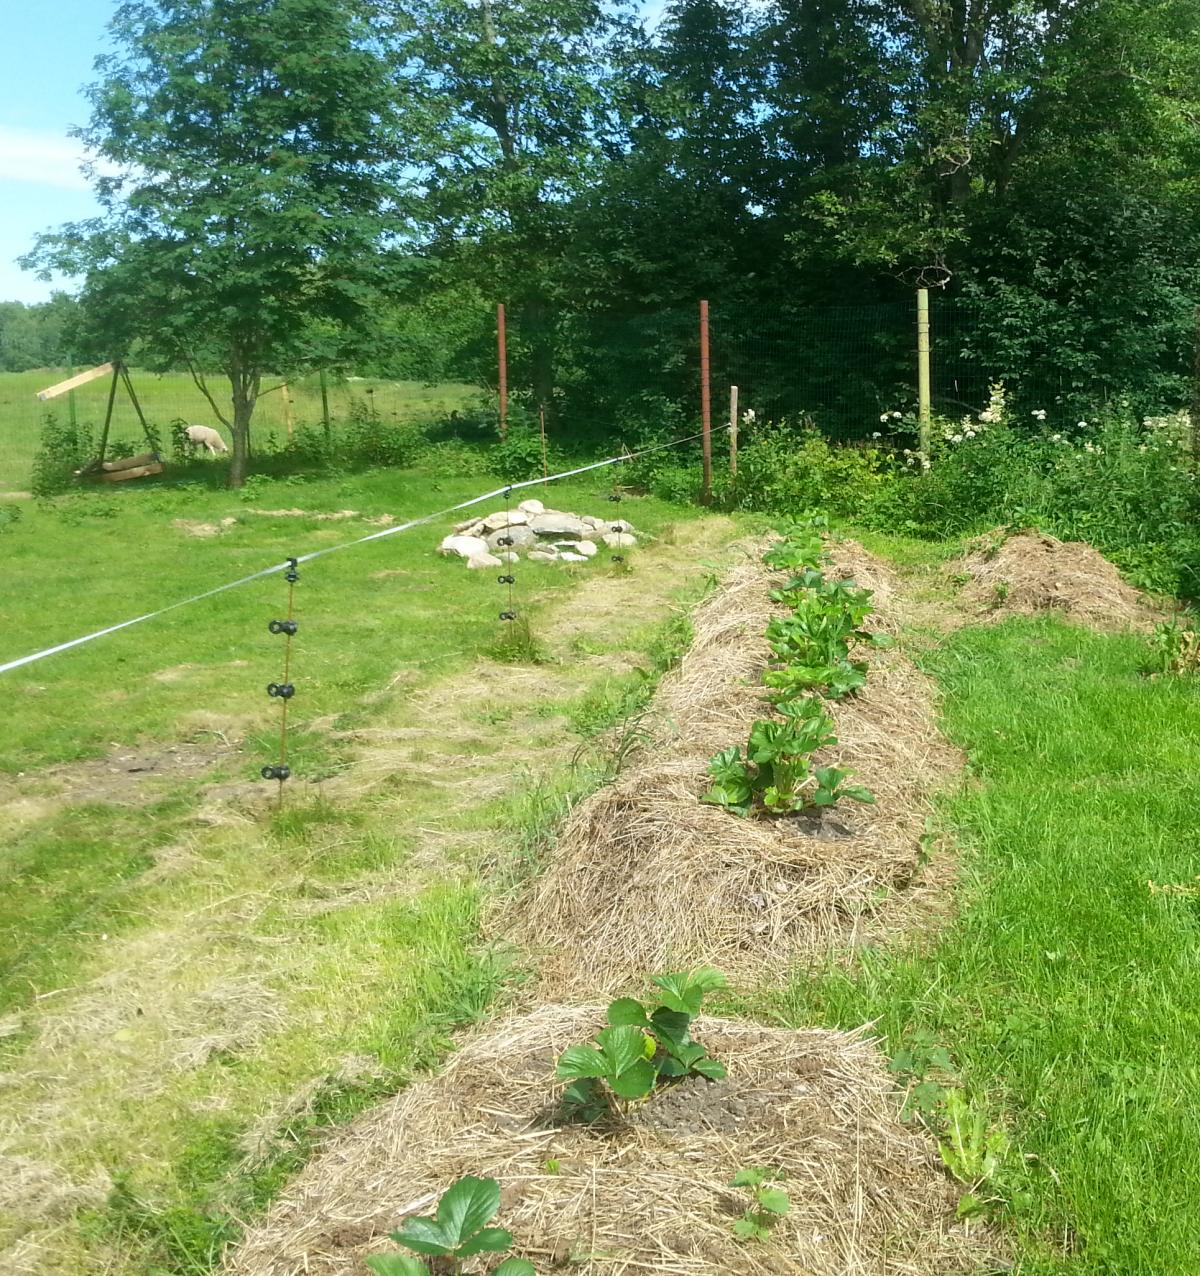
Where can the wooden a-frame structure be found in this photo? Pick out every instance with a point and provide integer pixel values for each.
(101, 468)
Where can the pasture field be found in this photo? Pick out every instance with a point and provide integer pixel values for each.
(166, 397)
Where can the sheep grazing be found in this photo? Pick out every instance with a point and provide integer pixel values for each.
(206, 436)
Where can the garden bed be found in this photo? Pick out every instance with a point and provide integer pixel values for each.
(866, 1192)
(647, 877)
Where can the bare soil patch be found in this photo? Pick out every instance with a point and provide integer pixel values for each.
(1032, 573)
(867, 1192)
(647, 877)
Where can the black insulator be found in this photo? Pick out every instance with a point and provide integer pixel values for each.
(618, 558)
(292, 575)
(281, 690)
(508, 615)
(616, 496)
(504, 540)
(276, 772)
(288, 627)
(506, 580)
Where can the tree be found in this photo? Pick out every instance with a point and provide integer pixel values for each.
(515, 110)
(254, 142)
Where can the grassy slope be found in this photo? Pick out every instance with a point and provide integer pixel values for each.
(169, 396)
(1067, 991)
(218, 986)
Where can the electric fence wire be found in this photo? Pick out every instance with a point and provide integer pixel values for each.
(312, 555)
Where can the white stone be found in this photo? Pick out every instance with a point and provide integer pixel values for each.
(618, 525)
(507, 556)
(504, 518)
(555, 524)
(472, 527)
(478, 561)
(573, 558)
(543, 556)
(463, 546)
(620, 540)
(520, 536)
(531, 507)
(589, 549)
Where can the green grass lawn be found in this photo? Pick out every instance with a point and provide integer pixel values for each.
(1068, 990)
(170, 396)
(189, 991)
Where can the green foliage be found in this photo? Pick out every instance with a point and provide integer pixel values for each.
(768, 1203)
(1173, 648)
(458, 1230)
(62, 449)
(517, 455)
(644, 1047)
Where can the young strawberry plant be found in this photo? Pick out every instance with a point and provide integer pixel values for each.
(833, 682)
(768, 1204)
(458, 1230)
(643, 1048)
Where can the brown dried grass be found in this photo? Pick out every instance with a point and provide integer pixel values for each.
(1032, 573)
(646, 877)
(867, 1193)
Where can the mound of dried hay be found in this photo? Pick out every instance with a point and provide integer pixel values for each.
(867, 1193)
(646, 877)
(1032, 572)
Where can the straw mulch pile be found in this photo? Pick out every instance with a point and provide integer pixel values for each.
(646, 877)
(1032, 573)
(867, 1193)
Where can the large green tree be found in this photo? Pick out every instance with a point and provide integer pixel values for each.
(253, 142)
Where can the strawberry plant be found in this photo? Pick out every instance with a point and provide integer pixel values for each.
(768, 1204)
(458, 1230)
(642, 1048)
(834, 681)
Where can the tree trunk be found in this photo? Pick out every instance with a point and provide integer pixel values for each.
(245, 382)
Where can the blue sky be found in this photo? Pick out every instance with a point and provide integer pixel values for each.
(49, 49)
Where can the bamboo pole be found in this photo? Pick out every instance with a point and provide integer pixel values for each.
(733, 430)
(502, 354)
(71, 413)
(705, 406)
(924, 382)
(289, 417)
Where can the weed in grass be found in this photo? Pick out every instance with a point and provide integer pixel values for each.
(516, 644)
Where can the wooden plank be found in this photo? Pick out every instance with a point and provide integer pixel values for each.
(118, 476)
(73, 383)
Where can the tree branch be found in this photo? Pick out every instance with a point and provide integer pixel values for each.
(202, 386)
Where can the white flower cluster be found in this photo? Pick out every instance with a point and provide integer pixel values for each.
(885, 417)
(1038, 414)
(748, 417)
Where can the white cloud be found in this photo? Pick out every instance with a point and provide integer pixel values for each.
(41, 159)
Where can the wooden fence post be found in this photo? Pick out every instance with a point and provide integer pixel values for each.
(289, 418)
(733, 430)
(705, 407)
(502, 353)
(924, 383)
(325, 407)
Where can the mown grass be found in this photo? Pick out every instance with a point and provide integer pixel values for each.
(1068, 989)
(166, 397)
(190, 1001)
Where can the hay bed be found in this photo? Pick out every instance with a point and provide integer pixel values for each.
(646, 877)
(1032, 573)
(867, 1193)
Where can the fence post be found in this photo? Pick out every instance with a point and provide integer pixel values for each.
(705, 406)
(1195, 405)
(545, 454)
(71, 394)
(733, 430)
(288, 415)
(924, 391)
(325, 408)
(502, 353)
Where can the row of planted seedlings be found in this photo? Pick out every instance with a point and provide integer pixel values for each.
(646, 1048)
(812, 663)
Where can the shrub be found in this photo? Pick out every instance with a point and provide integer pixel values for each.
(62, 449)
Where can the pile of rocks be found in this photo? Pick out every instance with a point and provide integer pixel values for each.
(538, 534)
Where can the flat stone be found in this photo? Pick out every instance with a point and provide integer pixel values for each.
(554, 524)
(573, 558)
(620, 540)
(520, 536)
(618, 525)
(463, 546)
(589, 549)
(478, 561)
(504, 518)
(507, 556)
(543, 556)
(531, 507)
(472, 527)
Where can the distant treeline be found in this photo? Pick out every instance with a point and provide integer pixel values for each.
(37, 336)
